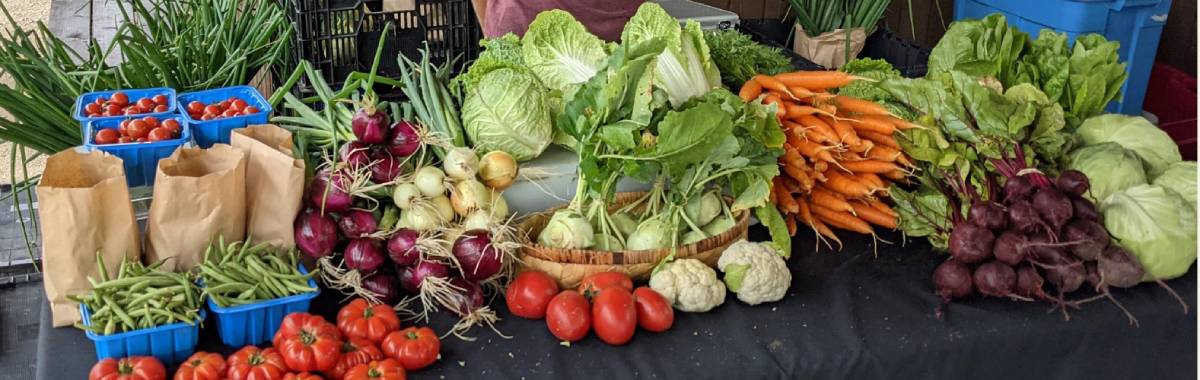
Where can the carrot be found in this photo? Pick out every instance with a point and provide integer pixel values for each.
(750, 90)
(805, 214)
(873, 216)
(786, 201)
(882, 207)
(844, 131)
(770, 83)
(841, 219)
(871, 179)
(810, 95)
(772, 98)
(870, 166)
(863, 146)
(867, 123)
(806, 181)
(810, 121)
(897, 175)
(791, 156)
(816, 79)
(807, 133)
(879, 139)
(791, 225)
(884, 153)
(904, 124)
(856, 105)
(846, 185)
(811, 149)
(825, 198)
(794, 111)
(820, 166)
(790, 184)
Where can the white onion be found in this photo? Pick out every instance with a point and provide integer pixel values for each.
(444, 210)
(470, 195)
(461, 163)
(404, 194)
(498, 170)
(430, 180)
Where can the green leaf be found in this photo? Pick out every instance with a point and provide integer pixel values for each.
(780, 238)
(620, 134)
(753, 195)
(691, 135)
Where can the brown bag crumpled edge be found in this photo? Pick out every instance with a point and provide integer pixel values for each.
(274, 183)
(829, 49)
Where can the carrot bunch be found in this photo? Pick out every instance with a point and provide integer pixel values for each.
(840, 155)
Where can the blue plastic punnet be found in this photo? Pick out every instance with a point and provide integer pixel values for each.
(217, 130)
(134, 95)
(140, 159)
(257, 322)
(171, 343)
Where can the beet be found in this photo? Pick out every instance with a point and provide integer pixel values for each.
(1088, 239)
(1039, 247)
(1118, 268)
(1073, 183)
(970, 243)
(1084, 209)
(1017, 189)
(357, 223)
(988, 215)
(385, 167)
(1009, 248)
(1030, 283)
(1091, 274)
(1066, 277)
(403, 139)
(995, 279)
(402, 247)
(1024, 217)
(354, 154)
(476, 255)
(952, 280)
(370, 126)
(385, 285)
(328, 191)
(1054, 207)
(315, 234)
(364, 255)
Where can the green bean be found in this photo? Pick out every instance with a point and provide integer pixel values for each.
(120, 312)
(100, 265)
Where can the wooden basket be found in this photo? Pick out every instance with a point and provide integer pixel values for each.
(569, 266)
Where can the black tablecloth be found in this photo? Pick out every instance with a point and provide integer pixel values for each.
(847, 315)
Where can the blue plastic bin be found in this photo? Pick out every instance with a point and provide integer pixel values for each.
(216, 131)
(134, 95)
(1136, 24)
(256, 323)
(171, 343)
(141, 159)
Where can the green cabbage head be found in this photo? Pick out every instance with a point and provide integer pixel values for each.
(1156, 225)
(560, 50)
(507, 111)
(1135, 133)
(1109, 168)
(1180, 177)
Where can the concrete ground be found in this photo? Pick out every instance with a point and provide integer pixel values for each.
(27, 14)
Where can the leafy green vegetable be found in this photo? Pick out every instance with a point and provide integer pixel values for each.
(1156, 225)
(507, 111)
(560, 50)
(1109, 167)
(1180, 177)
(684, 69)
(502, 52)
(739, 57)
(986, 47)
(1156, 149)
(1096, 76)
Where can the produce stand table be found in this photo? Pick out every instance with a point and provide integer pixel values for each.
(847, 315)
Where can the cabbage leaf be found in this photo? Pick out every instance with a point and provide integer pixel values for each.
(1156, 149)
(507, 111)
(684, 69)
(1180, 177)
(1157, 225)
(1109, 167)
(560, 50)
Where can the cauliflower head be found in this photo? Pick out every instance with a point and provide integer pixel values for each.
(689, 285)
(755, 272)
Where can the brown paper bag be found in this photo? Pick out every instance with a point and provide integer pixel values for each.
(829, 49)
(274, 183)
(199, 194)
(84, 208)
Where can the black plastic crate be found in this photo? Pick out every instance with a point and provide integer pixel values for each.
(775, 33)
(340, 36)
(911, 59)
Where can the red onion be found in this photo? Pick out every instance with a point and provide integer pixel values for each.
(364, 255)
(370, 126)
(386, 167)
(329, 190)
(316, 235)
(357, 223)
(385, 285)
(402, 247)
(404, 139)
(354, 153)
(411, 277)
(476, 255)
(468, 300)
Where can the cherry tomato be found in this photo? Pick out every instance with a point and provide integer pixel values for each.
(614, 315)
(146, 103)
(250, 110)
(568, 317)
(207, 117)
(101, 100)
(229, 113)
(161, 100)
(213, 109)
(123, 127)
(195, 107)
(237, 105)
(141, 139)
(125, 140)
(107, 136)
(120, 99)
(92, 109)
(151, 121)
(113, 109)
(161, 108)
(137, 129)
(133, 110)
(528, 295)
(171, 125)
(653, 312)
(595, 282)
(158, 134)
(224, 104)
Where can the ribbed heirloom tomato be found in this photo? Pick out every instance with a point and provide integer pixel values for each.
(130, 368)
(361, 319)
(301, 376)
(308, 342)
(355, 351)
(414, 347)
(252, 363)
(387, 369)
(202, 366)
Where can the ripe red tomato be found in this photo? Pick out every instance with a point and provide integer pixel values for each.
(224, 104)
(653, 312)
(100, 100)
(308, 342)
(237, 105)
(207, 117)
(159, 134)
(92, 109)
(125, 140)
(107, 136)
(202, 366)
(568, 316)
(113, 109)
(301, 376)
(133, 110)
(528, 295)
(161, 108)
(161, 100)
(229, 113)
(250, 110)
(387, 369)
(252, 363)
(614, 315)
(151, 121)
(413, 347)
(146, 103)
(355, 351)
(361, 319)
(119, 98)
(130, 368)
(195, 106)
(595, 282)
(213, 109)
(137, 129)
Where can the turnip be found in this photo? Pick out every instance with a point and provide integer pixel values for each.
(652, 233)
(718, 226)
(384, 167)
(354, 154)
(701, 210)
(477, 257)
(369, 125)
(1054, 207)
(988, 215)
(364, 255)
(692, 237)
(316, 235)
(405, 194)
(330, 192)
(567, 229)
(470, 195)
(357, 223)
(431, 181)
(385, 286)
(404, 139)
(497, 169)
(971, 244)
(607, 243)
(953, 280)
(1088, 238)
(460, 163)
(995, 279)
(402, 247)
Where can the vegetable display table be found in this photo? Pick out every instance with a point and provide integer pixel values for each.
(847, 315)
